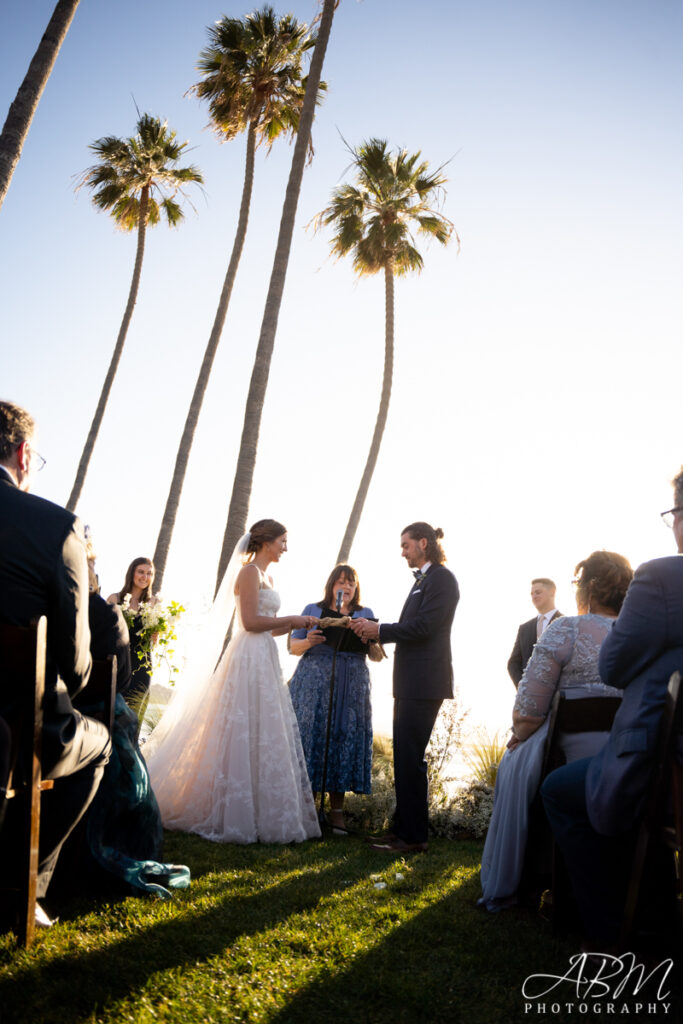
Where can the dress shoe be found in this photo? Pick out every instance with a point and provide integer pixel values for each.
(41, 918)
(382, 837)
(397, 845)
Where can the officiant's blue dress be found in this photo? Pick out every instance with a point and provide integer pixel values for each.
(565, 657)
(349, 761)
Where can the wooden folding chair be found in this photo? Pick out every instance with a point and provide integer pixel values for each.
(22, 689)
(98, 697)
(662, 821)
(587, 714)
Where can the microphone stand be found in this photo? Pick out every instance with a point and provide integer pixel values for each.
(321, 810)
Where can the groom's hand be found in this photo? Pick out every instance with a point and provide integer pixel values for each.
(365, 629)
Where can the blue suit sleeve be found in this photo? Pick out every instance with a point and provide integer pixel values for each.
(436, 608)
(639, 634)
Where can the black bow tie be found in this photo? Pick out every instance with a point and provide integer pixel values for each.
(418, 574)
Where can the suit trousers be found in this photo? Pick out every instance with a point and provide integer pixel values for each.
(76, 778)
(412, 727)
(597, 865)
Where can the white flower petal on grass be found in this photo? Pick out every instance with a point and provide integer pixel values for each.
(380, 885)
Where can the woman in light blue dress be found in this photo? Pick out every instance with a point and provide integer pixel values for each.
(565, 658)
(350, 749)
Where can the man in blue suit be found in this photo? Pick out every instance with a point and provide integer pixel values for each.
(595, 805)
(423, 678)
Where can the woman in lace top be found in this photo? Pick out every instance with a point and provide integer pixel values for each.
(565, 657)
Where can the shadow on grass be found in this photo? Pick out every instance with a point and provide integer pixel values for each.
(72, 986)
(455, 964)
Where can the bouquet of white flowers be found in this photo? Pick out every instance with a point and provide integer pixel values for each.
(155, 630)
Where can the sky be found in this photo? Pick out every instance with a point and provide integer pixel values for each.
(535, 405)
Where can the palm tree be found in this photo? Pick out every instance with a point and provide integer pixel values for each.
(20, 114)
(246, 460)
(130, 176)
(253, 81)
(374, 220)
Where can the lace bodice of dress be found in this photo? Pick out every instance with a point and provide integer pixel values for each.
(566, 656)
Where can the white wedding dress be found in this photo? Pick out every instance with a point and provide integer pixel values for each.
(230, 765)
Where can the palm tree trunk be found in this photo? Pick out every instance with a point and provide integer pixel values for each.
(356, 511)
(23, 108)
(185, 446)
(246, 460)
(115, 359)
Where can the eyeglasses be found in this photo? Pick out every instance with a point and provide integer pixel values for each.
(39, 462)
(670, 515)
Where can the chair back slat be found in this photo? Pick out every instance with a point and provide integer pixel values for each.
(665, 782)
(587, 714)
(22, 692)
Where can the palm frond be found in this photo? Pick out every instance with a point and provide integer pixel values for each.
(393, 194)
(147, 160)
(252, 73)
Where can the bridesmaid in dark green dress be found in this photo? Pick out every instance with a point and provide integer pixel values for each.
(137, 587)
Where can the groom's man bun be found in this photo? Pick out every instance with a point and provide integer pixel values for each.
(434, 552)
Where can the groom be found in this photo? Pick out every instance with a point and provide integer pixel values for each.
(423, 677)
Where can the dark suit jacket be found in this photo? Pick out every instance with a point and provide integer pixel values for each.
(524, 645)
(43, 571)
(422, 663)
(644, 647)
(109, 635)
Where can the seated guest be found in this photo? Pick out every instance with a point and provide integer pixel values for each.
(349, 760)
(565, 658)
(124, 831)
(594, 805)
(137, 589)
(43, 571)
(108, 629)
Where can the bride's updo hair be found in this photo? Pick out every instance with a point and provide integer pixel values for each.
(434, 552)
(263, 532)
(605, 576)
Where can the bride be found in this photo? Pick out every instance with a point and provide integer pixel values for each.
(226, 759)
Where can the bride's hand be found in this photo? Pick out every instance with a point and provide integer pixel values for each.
(303, 621)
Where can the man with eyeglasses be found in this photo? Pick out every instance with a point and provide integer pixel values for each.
(595, 805)
(43, 571)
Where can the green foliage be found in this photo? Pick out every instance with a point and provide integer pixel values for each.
(135, 174)
(484, 755)
(253, 74)
(452, 814)
(446, 738)
(376, 218)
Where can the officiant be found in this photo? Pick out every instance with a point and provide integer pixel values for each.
(349, 760)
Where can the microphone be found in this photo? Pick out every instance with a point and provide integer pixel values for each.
(340, 597)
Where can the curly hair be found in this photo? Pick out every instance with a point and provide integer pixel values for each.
(434, 552)
(605, 576)
(678, 488)
(16, 425)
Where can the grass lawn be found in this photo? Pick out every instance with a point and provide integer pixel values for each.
(296, 934)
